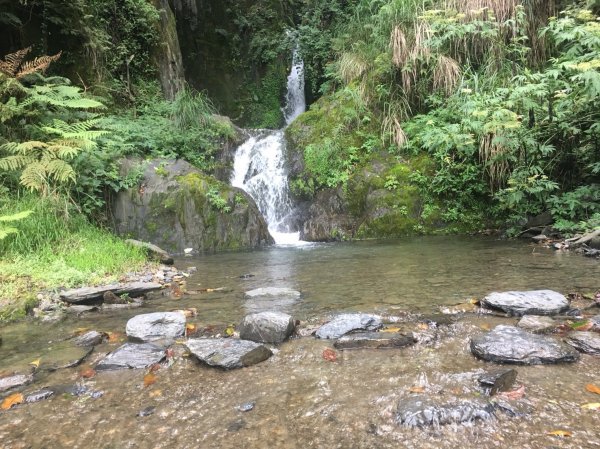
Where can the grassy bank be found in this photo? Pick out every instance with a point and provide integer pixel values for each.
(56, 247)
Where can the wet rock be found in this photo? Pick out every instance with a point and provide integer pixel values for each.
(422, 411)
(537, 324)
(64, 355)
(228, 353)
(534, 302)
(132, 303)
(147, 411)
(38, 395)
(509, 344)
(90, 294)
(438, 319)
(498, 380)
(132, 355)
(16, 380)
(267, 327)
(348, 322)
(155, 326)
(595, 322)
(236, 425)
(246, 276)
(539, 238)
(273, 291)
(154, 251)
(91, 338)
(78, 308)
(246, 407)
(374, 340)
(73, 390)
(586, 342)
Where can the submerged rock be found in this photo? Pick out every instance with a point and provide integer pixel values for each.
(374, 340)
(509, 344)
(89, 294)
(348, 322)
(537, 324)
(64, 355)
(421, 411)
(39, 395)
(91, 338)
(534, 302)
(273, 291)
(156, 326)
(586, 342)
(271, 298)
(228, 353)
(132, 355)
(498, 380)
(267, 327)
(16, 380)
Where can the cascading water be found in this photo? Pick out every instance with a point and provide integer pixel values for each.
(259, 165)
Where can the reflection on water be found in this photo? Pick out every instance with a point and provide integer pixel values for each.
(301, 399)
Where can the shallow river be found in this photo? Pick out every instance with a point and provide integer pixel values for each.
(301, 399)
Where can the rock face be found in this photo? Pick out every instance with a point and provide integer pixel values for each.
(132, 355)
(534, 302)
(92, 294)
(586, 342)
(374, 340)
(177, 207)
(156, 326)
(348, 322)
(509, 344)
(537, 324)
(267, 327)
(228, 353)
(421, 411)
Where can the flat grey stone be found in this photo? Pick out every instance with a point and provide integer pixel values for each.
(39, 395)
(86, 294)
(132, 355)
(91, 338)
(374, 340)
(422, 411)
(348, 322)
(266, 327)
(156, 326)
(17, 380)
(537, 324)
(587, 342)
(273, 291)
(228, 353)
(498, 380)
(534, 302)
(64, 355)
(509, 344)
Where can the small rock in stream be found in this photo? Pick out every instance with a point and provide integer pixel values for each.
(147, 411)
(537, 324)
(155, 326)
(267, 327)
(534, 302)
(132, 355)
(273, 291)
(498, 380)
(38, 395)
(64, 355)
(91, 338)
(374, 340)
(348, 322)
(246, 407)
(586, 342)
(246, 276)
(228, 353)
(421, 411)
(17, 380)
(509, 344)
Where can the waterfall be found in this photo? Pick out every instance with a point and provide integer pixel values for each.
(259, 165)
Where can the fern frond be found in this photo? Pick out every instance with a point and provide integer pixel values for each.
(34, 176)
(12, 61)
(17, 216)
(23, 147)
(68, 149)
(60, 171)
(5, 232)
(37, 65)
(15, 162)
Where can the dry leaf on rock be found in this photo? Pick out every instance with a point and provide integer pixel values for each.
(149, 379)
(11, 400)
(592, 388)
(330, 355)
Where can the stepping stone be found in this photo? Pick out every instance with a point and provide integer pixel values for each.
(267, 327)
(156, 326)
(509, 344)
(422, 411)
(132, 355)
(374, 340)
(534, 302)
(89, 294)
(228, 353)
(586, 342)
(348, 322)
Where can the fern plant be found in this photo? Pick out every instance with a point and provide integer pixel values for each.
(5, 231)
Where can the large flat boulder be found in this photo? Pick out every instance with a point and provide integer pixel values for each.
(228, 353)
(176, 206)
(509, 344)
(348, 322)
(533, 302)
(93, 294)
(586, 342)
(422, 411)
(156, 326)
(374, 340)
(267, 327)
(132, 355)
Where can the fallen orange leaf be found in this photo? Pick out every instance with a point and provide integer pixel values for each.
(149, 379)
(114, 337)
(561, 433)
(592, 388)
(512, 395)
(11, 400)
(417, 389)
(87, 373)
(190, 328)
(330, 355)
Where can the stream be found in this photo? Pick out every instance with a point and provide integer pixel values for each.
(300, 399)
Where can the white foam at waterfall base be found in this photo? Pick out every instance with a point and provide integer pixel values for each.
(259, 165)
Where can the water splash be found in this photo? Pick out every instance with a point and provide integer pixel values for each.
(259, 165)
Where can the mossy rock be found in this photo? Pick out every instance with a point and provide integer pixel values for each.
(175, 206)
